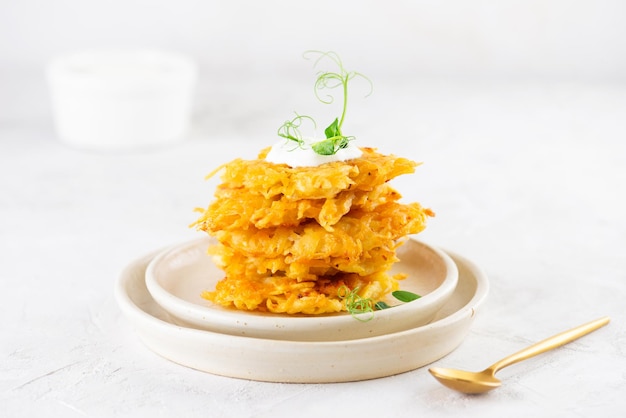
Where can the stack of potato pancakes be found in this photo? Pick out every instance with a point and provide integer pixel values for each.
(292, 240)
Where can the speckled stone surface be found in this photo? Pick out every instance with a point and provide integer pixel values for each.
(527, 180)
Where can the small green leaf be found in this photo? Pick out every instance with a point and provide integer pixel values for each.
(333, 129)
(324, 147)
(381, 305)
(404, 296)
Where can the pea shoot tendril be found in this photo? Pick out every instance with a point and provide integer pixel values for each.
(335, 139)
(356, 304)
(291, 129)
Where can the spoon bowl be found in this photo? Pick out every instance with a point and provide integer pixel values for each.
(464, 381)
(480, 382)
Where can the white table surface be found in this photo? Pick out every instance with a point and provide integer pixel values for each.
(527, 180)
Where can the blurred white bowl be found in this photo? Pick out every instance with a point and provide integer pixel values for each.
(121, 99)
(176, 278)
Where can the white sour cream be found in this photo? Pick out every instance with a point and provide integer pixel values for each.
(288, 152)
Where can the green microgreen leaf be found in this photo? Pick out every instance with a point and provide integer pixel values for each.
(333, 130)
(324, 147)
(380, 305)
(405, 296)
(330, 146)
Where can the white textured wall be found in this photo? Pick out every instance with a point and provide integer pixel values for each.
(570, 39)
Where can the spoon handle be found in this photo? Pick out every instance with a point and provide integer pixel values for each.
(550, 343)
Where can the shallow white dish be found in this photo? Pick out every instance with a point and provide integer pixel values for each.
(176, 277)
(296, 361)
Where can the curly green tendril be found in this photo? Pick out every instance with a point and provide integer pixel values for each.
(355, 304)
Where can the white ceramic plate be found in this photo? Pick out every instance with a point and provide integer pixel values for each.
(176, 277)
(296, 361)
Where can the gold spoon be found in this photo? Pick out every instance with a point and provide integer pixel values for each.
(479, 382)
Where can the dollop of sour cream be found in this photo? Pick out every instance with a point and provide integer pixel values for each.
(288, 152)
